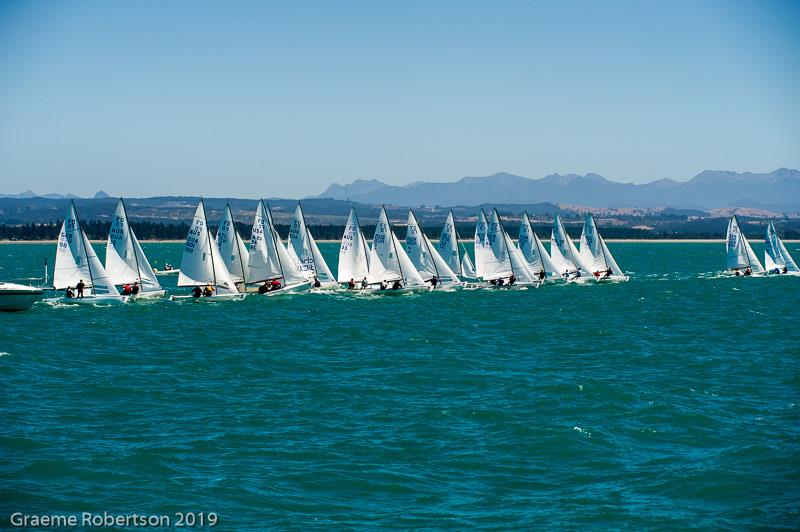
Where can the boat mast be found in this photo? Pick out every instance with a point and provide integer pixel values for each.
(505, 242)
(275, 240)
(130, 232)
(83, 244)
(458, 250)
(308, 237)
(363, 240)
(394, 245)
(599, 241)
(566, 236)
(208, 237)
(743, 240)
(430, 253)
(236, 242)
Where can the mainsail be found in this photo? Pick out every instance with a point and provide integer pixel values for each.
(594, 251)
(125, 259)
(304, 250)
(232, 248)
(353, 253)
(776, 255)
(738, 251)
(201, 262)
(76, 259)
(388, 261)
(424, 256)
(532, 249)
(491, 255)
(452, 250)
(563, 252)
(519, 267)
(268, 256)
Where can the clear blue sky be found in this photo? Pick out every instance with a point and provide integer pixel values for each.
(256, 99)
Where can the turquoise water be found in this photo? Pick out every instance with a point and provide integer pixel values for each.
(669, 401)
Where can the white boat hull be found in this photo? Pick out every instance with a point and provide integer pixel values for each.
(95, 299)
(149, 294)
(15, 297)
(215, 297)
(176, 271)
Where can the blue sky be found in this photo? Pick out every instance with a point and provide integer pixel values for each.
(254, 99)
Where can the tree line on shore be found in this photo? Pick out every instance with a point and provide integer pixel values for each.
(98, 230)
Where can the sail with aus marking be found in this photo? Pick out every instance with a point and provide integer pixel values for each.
(125, 259)
(424, 255)
(594, 251)
(201, 262)
(456, 257)
(776, 255)
(304, 250)
(532, 249)
(353, 252)
(77, 261)
(388, 260)
(491, 255)
(739, 254)
(232, 248)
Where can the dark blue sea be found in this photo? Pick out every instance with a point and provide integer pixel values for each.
(667, 402)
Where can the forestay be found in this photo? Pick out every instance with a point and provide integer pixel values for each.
(76, 259)
(353, 252)
(304, 250)
(201, 262)
(232, 248)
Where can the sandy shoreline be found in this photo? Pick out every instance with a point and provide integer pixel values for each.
(613, 240)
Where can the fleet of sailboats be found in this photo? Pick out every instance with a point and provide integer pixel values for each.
(225, 267)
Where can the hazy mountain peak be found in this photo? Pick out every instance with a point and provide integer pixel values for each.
(101, 194)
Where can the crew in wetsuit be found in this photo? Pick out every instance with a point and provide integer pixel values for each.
(135, 288)
(397, 285)
(197, 291)
(264, 288)
(80, 286)
(351, 285)
(208, 291)
(512, 280)
(317, 284)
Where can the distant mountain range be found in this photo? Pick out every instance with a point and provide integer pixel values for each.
(31, 194)
(777, 191)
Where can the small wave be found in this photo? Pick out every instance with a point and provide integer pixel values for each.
(4, 353)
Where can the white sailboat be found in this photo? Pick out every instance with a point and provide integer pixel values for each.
(304, 250)
(76, 262)
(389, 264)
(453, 252)
(596, 254)
(533, 250)
(232, 249)
(496, 256)
(353, 254)
(740, 257)
(776, 257)
(202, 265)
(565, 255)
(270, 262)
(126, 262)
(426, 257)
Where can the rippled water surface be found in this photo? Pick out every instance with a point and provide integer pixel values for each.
(669, 401)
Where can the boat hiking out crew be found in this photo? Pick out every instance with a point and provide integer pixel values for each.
(383, 285)
(364, 283)
(351, 285)
(501, 282)
(576, 274)
(126, 289)
(264, 288)
(317, 284)
(80, 286)
(748, 272)
(607, 274)
(208, 291)
(397, 285)
(736, 272)
(69, 293)
(565, 275)
(274, 285)
(135, 288)
(197, 291)
(168, 266)
(434, 281)
(542, 275)
(512, 279)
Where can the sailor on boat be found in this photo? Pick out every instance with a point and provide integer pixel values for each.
(197, 291)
